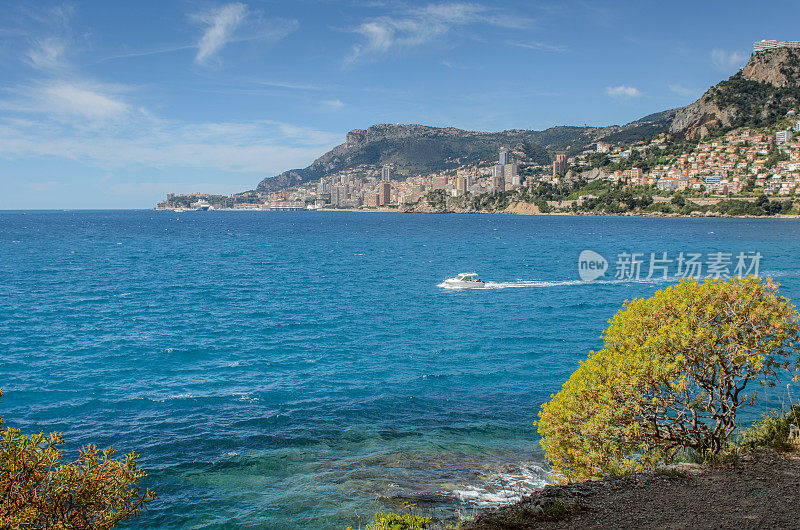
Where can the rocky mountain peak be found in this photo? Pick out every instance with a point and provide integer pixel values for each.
(757, 95)
(779, 67)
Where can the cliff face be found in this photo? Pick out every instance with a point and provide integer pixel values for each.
(764, 90)
(780, 68)
(694, 120)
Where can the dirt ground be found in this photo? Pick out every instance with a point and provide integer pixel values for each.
(761, 490)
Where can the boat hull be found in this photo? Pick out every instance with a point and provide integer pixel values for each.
(451, 283)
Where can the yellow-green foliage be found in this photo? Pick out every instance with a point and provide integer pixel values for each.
(38, 491)
(772, 430)
(394, 521)
(673, 371)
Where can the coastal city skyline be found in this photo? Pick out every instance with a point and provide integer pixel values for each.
(106, 106)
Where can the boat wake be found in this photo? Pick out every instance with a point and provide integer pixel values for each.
(531, 283)
(519, 284)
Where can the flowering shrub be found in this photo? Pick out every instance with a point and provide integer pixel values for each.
(36, 491)
(674, 370)
(394, 521)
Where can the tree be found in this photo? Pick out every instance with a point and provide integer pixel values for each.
(674, 370)
(36, 491)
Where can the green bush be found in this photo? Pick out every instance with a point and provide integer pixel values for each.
(672, 374)
(394, 521)
(772, 430)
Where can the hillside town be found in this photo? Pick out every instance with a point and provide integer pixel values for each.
(727, 163)
(741, 162)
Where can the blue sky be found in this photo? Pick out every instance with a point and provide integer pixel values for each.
(114, 104)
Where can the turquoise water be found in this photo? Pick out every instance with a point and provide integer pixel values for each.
(301, 369)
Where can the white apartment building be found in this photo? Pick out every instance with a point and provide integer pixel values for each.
(762, 45)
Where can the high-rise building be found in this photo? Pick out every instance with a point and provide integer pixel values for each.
(498, 178)
(503, 156)
(439, 182)
(511, 176)
(384, 193)
(782, 137)
(462, 186)
(371, 199)
(386, 173)
(560, 165)
(338, 195)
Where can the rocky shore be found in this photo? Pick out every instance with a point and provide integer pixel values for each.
(760, 490)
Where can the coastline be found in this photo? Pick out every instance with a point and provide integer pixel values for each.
(509, 211)
(758, 490)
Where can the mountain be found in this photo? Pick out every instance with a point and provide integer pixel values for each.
(757, 95)
(418, 149)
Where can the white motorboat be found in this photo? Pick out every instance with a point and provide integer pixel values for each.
(465, 280)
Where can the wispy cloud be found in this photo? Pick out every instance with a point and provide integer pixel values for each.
(146, 53)
(288, 85)
(221, 24)
(85, 100)
(540, 46)
(79, 103)
(235, 23)
(98, 126)
(47, 54)
(623, 92)
(454, 66)
(683, 91)
(333, 104)
(49, 50)
(725, 60)
(415, 27)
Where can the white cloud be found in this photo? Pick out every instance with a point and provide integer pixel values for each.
(540, 46)
(221, 24)
(726, 60)
(290, 86)
(137, 139)
(235, 23)
(79, 104)
(87, 101)
(49, 34)
(683, 91)
(333, 104)
(47, 54)
(418, 26)
(623, 91)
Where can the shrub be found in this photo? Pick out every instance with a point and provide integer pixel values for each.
(772, 430)
(674, 370)
(36, 491)
(394, 521)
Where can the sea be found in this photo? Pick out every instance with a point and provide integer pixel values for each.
(307, 369)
